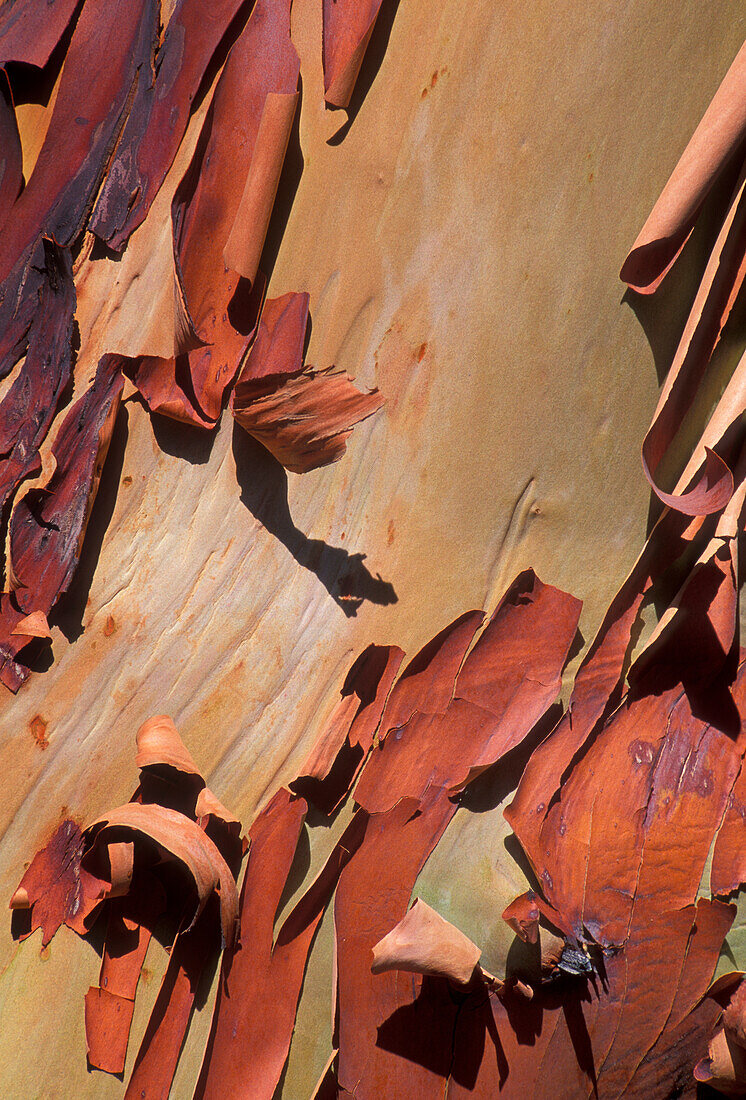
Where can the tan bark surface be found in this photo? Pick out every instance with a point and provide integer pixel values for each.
(461, 248)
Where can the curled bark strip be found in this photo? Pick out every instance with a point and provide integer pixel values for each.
(48, 526)
(222, 305)
(180, 839)
(304, 421)
(348, 25)
(158, 743)
(159, 117)
(712, 306)
(30, 32)
(712, 147)
(262, 61)
(424, 943)
(698, 633)
(190, 388)
(86, 119)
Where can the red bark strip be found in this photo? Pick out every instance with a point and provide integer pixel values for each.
(241, 1022)
(48, 525)
(11, 154)
(86, 120)
(108, 1018)
(159, 116)
(29, 31)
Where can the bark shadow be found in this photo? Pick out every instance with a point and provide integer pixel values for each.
(264, 492)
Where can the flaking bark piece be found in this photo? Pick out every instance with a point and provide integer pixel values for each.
(305, 420)
(348, 25)
(724, 1066)
(180, 839)
(56, 888)
(34, 625)
(423, 942)
(522, 915)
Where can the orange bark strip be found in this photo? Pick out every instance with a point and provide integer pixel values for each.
(108, 1018)
(251, 1045)
(426, 685)
(683, 1036)
(240, 1022)
(56, 888)
(506, 684)
(159, 1052)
